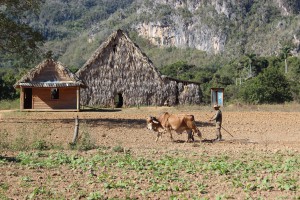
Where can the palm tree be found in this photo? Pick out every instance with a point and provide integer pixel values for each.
(285, 53)
(251, 58)
(239, 67)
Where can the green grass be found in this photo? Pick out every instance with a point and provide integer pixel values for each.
(9, 104)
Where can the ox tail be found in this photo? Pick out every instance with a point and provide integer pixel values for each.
(196, 130)
(199, 134)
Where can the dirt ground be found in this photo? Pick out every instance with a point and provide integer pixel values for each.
(252, 129)
(127, 127)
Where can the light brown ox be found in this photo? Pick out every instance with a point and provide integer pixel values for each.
(179, 123)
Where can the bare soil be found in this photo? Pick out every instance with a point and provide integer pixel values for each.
(127, 127)
(252, 130)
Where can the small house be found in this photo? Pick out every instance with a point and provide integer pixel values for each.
(49, 86)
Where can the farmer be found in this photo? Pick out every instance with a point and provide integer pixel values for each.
(218, 118)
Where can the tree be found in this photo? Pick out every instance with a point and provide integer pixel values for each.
(285, 53)
(250, 58)
(293, 76)
(16, 36)
(176, 70)
(271, 86)
(7, 80)
(260, 64)
(239, 68)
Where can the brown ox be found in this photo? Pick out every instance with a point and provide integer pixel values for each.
(179, 123)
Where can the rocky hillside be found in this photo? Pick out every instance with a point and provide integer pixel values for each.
(221, 25)
(74, 29)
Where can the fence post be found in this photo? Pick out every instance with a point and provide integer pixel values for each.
(75, 136)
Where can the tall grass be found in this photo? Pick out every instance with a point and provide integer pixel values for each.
(9, 104)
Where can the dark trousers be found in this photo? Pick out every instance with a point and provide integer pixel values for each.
(218, 133)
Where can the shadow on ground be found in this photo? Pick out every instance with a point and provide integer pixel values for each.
(204, 124)
(101, 110)
(234, 141)
(106, 122)
(93, 122)
(9, 159)
(116, 123)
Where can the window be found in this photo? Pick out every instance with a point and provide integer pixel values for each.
(54, 93)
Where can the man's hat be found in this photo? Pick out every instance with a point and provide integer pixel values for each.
(216, 106)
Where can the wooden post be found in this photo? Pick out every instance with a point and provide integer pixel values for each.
(75, 136)
(78, 98)
(22, 99)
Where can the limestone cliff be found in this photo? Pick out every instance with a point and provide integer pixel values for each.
(218, 25)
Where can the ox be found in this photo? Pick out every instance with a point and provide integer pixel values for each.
(179, 123)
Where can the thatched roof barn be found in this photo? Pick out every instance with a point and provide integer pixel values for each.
(49, 86)
(187, 92)
(120, 74)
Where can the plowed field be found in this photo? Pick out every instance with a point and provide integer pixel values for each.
(255, 132)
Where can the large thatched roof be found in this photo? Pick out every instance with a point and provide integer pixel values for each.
(49, 73)
(118, 66)
(113, 41)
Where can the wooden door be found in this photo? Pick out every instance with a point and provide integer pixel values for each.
(27, 98)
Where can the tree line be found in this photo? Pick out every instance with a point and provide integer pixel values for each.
(249, 78)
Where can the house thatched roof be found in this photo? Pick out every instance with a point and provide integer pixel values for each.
(112, 40)
(49, 73)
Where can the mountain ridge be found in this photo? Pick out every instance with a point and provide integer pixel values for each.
(74, 29)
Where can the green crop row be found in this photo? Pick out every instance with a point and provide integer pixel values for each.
(179, 174)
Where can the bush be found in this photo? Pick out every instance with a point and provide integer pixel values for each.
(271, 86)
(21, 143)
(295, 88)
(4, 143)
(40, 145)
(176, 69)
(84, 144)
(7, 80)
(118, 149)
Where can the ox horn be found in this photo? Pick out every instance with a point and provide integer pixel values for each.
(155, 121)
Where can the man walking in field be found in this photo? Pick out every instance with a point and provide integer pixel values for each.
(218, 118)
